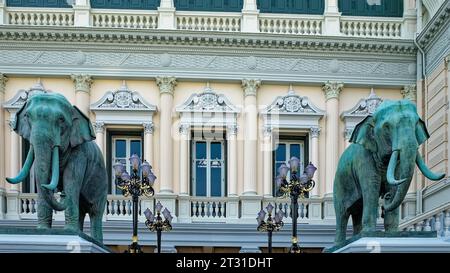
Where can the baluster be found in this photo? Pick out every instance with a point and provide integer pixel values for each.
(427, 226)
(130, 207)
(219, 209)
(124, 207)
(419, 226)
(214, 209)
(437, 224)
(33, 206)
(197, 209)
(22, 205)
(113, 207)
(208, 209)
(203, 209)
(447, 223)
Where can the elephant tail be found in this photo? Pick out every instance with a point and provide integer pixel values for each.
(54, 204)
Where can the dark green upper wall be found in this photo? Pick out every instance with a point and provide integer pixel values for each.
(291, 6)
(388, 8)
(209, 5)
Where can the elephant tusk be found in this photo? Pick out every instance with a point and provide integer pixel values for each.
(25, 170)
(427, 172)
(390, 174)
(55, 170)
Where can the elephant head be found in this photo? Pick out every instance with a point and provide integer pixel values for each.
(53, 127)
(393, 134)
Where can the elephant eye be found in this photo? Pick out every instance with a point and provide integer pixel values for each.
(61, 120)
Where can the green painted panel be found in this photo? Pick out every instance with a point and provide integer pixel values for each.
(40, 3)
(125, 4)
(379, 8)
(209, 5)
(291, 6)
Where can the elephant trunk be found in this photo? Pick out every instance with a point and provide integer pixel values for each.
(25, 170)
(43, 173)
(427, 172)
(405, 169)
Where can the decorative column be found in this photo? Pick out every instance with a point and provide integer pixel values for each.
(3, 14)
(99, 128)
(250, 201)
(166, 87)
(82, 13)
(148, 142)
(409, 92)
(314, 133)
(267, 163)
(250, 14)
(12, 195)
(347, 135)
(184, 159)
(332, 18)
(3, 80)
(166, 12)
(82, 92)
(332, 91)
(251, 135)
(409, 18)
(232, 174)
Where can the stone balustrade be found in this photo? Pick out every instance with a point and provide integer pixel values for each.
(294, 24)
(437, 220)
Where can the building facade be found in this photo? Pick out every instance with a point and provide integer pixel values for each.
(215, 95)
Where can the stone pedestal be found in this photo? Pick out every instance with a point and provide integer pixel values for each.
(15, 240)
(396, 242)
(250, 205)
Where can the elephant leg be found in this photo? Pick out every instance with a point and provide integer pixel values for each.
(342, 216)
(73, 179)
(370, 211)
(44, 213)
(96, 226)
(391, 220)
(357, 222)
(81, 218)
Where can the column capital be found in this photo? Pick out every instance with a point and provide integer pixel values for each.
(3, 80)
(348, 133)
(82, 82)
(99, 127)
(409, 92)
(250, 86)
(332, 89)
(184, 129)
(232, 129)
(315, 132)
(166, 84)
(267, 131)
(148, 127)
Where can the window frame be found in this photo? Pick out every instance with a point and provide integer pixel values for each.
(196, 138)
(291, 139)
(110, 151)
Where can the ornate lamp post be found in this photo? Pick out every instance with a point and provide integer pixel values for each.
(157, 223)
(138, 183)
(295, 187)
(271, 225)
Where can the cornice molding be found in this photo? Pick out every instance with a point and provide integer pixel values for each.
(434, 26)
(127, 37)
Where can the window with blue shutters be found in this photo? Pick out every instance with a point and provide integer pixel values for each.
(208, 168)
(40, 3)
(125, 4)
(209, 5)
(291, 6)
(379, 8)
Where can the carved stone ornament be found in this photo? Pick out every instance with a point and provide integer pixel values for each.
(409, 92)
(99, 127)
(348, 133)
(122, 99)
(315, 131)
(166, 84)
(250, 86)
(365, 106)
(22, 95)
(148, 127)
(207, 101)
(82, 82)
(292, 103)
(332, 89)
(3, 80)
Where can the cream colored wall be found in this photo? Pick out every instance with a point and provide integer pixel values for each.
(184, 89)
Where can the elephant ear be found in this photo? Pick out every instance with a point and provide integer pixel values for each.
(82, 130)
(421, 132)
(21, 125)
(363, 134)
